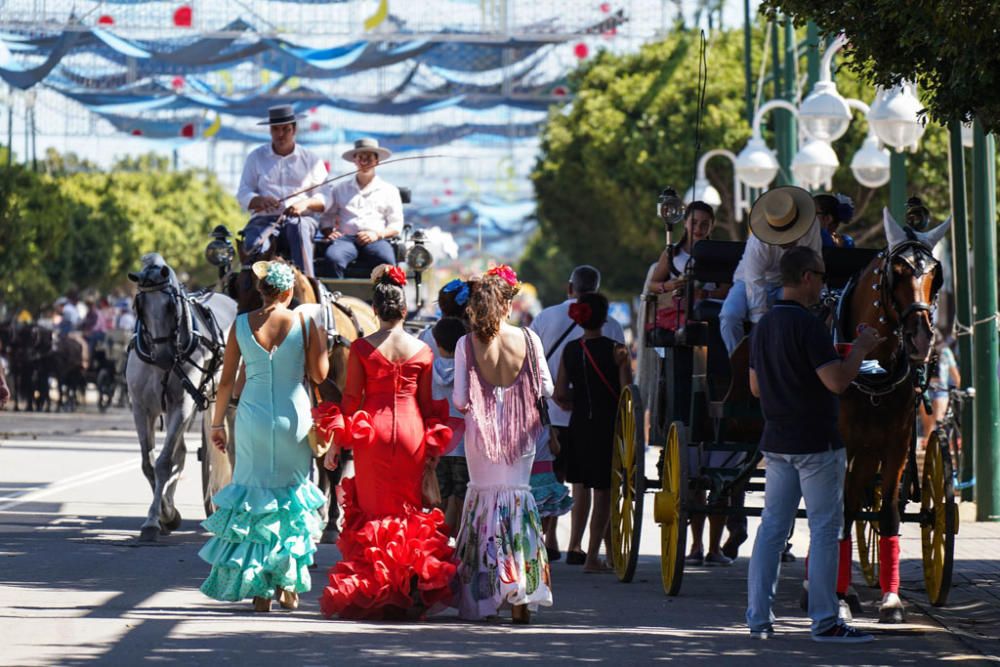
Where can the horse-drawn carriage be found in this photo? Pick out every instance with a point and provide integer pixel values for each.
(706, 422)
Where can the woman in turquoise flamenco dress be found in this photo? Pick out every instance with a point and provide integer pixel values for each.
(266, 521)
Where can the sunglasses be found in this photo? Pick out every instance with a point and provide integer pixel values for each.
(821, 274)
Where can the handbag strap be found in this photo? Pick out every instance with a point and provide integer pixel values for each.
(313, 390)
(593, 364)
(559, 341)
(529, 350)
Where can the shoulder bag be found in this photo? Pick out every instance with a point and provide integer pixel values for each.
(540, 402)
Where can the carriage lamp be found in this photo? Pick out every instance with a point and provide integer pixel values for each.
(669, 207)
(703, 191)
(219, 252)
(917, 215)
(870, 165)
(815, 164)
(894, 118)
(418, 257)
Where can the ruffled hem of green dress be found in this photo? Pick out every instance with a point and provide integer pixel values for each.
(262, 539)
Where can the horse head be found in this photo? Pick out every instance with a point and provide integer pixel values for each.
(159, 309)
(913, 278)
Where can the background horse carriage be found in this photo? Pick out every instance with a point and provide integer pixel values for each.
(342, 309)
(703, 416)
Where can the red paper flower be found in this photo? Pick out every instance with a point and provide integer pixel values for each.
(182, 17)
(105, 20)
(581, 50)
(508, 274)
(188, 130)
(396, 275)
(580, 312)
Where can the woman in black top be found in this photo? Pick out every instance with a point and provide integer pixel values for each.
(591, 374)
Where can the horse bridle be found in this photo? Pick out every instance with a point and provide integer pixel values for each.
(182, 355)
(914, 254)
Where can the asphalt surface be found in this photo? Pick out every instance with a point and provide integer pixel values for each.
(77, 588)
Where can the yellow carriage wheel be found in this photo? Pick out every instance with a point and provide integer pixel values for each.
(628, 483)
(670, 508)
(939, 519)
(866, 531)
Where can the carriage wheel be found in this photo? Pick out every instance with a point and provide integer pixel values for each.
(670, 508)
(866, 531)
(216, 467)
(628, 483)
(940, 519)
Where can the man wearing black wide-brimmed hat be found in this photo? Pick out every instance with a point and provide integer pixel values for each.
(364, 212)
(271, 174)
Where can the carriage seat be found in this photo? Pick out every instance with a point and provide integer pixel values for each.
(360, 268)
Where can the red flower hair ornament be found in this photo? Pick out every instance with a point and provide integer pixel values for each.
(505, 272)
(580, 312)
(387, 273)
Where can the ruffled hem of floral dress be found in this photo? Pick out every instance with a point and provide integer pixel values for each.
(263, 538)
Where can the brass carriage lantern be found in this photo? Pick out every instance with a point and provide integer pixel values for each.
(669, 207)
(419, 259)
(220, 252)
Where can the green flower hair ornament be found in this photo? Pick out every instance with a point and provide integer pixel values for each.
(280, 276)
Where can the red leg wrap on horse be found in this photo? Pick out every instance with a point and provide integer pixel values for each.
(844, 571)
(888, 565)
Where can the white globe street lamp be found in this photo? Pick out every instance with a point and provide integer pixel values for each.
(815, 164)
(870, 165)
(703, 191)
(756, 164)
(893, 117)
(824, 114)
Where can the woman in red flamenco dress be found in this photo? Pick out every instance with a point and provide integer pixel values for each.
(396, 562)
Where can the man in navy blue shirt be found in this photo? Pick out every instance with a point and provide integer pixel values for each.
(797, 374)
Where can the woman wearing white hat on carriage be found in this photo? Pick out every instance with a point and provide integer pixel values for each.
(363, 213)
(781, 218)
(273, 172)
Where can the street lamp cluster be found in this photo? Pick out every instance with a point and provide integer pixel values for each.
(824, 116)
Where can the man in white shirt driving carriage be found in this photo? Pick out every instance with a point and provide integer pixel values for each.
(272, 174)
(364, 213)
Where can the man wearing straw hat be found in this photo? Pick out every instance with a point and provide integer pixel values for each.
(271, 189)
(364, 212)
(781, 218)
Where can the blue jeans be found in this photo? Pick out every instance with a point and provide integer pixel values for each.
(819, 478)
(295, 235)
(345, 250)
(736, 310)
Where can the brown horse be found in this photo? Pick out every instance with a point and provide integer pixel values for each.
(896, 293)
(352, 319)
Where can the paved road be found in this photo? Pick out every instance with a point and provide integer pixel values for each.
(76, 588)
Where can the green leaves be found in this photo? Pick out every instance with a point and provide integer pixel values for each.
(86, 229)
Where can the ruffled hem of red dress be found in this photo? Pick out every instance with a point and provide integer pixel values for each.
(390, 566)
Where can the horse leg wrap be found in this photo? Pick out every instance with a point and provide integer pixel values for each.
(844, 570)
(888, 566)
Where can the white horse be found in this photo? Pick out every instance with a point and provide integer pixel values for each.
(172, 370)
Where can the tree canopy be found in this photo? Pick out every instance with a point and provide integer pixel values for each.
(948, 48)
(630, 133)
(77, 228)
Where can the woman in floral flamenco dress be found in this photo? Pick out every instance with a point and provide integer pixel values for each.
(396, 562)
(266, 519)
(500, 372)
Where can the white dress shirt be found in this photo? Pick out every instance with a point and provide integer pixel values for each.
(267, 174)
(550, 325)
(760, 268)
(375, 208)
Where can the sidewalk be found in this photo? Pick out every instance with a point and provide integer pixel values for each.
(973, 609)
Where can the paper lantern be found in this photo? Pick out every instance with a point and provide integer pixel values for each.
(177, 82)
(315, 126)
(136, 133)
(182, 17)
(105, 20)
(560, 91)
(448, 192)
(605, 7)
(188, 131)
(454, 218)
(581, 51)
